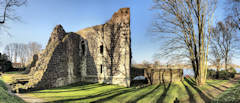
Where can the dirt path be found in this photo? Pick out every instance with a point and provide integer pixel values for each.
(222, 87)
(213, 92)
(29, 99)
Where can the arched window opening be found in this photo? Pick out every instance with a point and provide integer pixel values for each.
(101, 68)
(101, 49)
(83, 47)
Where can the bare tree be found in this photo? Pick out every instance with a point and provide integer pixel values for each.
(20, 52)
(7, 9)
(234, 12)
(8, 51)
(227, 40)
(185, 26)
(34, 48)
(15, 50)
(156, 64)
(149, 72)
(23, 53)
(216, 51)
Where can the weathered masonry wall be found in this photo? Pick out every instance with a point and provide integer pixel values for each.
(109, 49)
(97, 54)
(158, 76)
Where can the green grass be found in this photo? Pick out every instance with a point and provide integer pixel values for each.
(5, 97)
(2, 85)
(9, 77)
(84, 92)
(231, 95)
(184, 91)
(13, 72)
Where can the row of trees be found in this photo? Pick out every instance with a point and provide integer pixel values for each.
(20, 52)
(187, 26)
(224, 44)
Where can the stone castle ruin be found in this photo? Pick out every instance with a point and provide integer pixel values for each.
(99, 54)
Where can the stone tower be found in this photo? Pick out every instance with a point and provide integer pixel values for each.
(109, 55)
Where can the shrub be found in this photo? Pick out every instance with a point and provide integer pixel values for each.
(232, 71)
(211, 73)
(223, 74)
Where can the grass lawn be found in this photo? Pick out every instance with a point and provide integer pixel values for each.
(185, 91)
(5, 97)
(231, 95)
(9, 77)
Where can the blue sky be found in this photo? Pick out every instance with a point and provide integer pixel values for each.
(39, 17)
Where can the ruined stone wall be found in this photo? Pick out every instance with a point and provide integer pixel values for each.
(100, 43)
(84, 56)
(65, 64)
(159, 76)
(59, 64)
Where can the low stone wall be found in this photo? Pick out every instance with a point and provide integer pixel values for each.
(159, 76)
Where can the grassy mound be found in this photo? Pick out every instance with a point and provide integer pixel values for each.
(5, 97)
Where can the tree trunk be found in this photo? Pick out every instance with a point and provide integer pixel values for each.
(201, 69)
(217, 75)
(111, 67)
(200, 78)
(226, 63)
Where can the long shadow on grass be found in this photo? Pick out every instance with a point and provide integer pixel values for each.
(202, 95)
(224, 86)
(81, 85)
(144, 95)
(216, 87)
(117, 94)
(61, 90)
(166, 88)
(91, 96)
(160, 100)
(191, 98)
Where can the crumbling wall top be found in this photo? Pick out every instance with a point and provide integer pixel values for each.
(121, 16)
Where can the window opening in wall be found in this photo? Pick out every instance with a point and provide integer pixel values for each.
(101, 49)
(83, 47)
(101, 69)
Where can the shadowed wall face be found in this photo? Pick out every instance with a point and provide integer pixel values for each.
(110, 50)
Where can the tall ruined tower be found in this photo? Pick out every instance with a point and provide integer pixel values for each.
(100, 54)
(110, 47)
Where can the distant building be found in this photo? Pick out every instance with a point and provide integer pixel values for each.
(17, 65)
